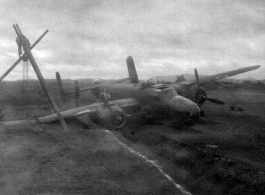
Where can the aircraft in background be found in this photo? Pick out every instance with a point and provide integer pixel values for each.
(195, 92)
(154, 102)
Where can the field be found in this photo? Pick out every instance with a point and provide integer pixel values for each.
(223, 154)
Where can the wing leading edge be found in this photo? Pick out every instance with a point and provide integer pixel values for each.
(75, 112)
(219, 76)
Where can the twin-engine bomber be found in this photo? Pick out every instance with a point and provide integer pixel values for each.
(157, 103)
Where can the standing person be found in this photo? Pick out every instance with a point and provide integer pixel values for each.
(77, 93)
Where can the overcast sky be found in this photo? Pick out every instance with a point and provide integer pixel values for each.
(93, 38)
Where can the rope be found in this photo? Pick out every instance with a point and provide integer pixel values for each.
(25, 85)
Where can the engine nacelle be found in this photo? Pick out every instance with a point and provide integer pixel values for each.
(105, 118)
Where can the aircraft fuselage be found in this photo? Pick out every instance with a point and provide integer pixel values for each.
(157, 100)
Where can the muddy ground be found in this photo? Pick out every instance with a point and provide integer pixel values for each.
(222, 155)
(53, 161)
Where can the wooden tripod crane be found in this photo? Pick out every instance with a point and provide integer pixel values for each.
(27, 51)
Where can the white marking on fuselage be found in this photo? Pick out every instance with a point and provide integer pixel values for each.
(152, 163)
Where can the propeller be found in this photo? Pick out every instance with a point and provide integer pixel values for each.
(106, 102)
(60, 86)
(118, 117)
(201, 95)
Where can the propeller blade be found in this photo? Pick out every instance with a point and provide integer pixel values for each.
(106, 102)
(215, 101)
(197, 78)
(77, 94)
(202, 94)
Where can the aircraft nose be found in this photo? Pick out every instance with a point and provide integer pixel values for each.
(186, 106)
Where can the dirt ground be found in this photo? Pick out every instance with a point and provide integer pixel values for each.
(222, 155)
(53, 161)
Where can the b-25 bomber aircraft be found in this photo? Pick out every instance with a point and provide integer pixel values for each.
(158, 103)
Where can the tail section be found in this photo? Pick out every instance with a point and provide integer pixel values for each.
(60, 86)
(132, 70)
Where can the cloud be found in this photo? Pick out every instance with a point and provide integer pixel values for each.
(93, 38)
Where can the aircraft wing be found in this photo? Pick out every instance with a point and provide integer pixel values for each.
(219, 76)
(75, 112)
(53, 117)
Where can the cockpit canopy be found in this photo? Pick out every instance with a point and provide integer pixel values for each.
(163, 93)
(167, 92)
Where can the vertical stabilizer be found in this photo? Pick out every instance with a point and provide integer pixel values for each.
(60, 86)
(132, 70)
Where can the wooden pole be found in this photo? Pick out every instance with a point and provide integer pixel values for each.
(27, 49)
